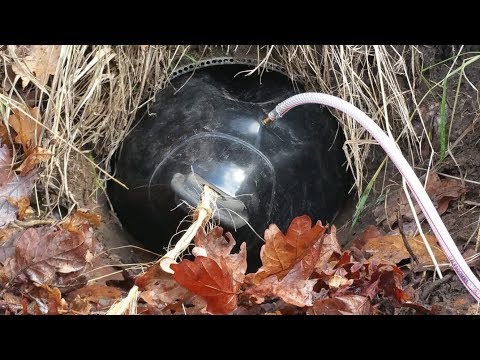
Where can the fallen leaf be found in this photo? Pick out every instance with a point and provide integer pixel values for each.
(25, 305)
(35, 157)
(341, 276)
(79, 219)
(12, 298)
(39, 60)
(46, 300)
(4, 138)
(274, 313)
(54, 301)
(80, 306)
(34, 309)
(382, 278)
(5, 235)
(5, 164)
(370, 232)
(210, 280)
(23, 205)
(281, 252)
(28, 131)
(193, 305)
(12, 303)
(337, 281)
(216, 246)
(392, 249)
(102, 295)
(321, 280)
(419, 309)
(329, 247)
(5, 238)
(15, 188)
(440, 191)
(342, 305)
(293, 289)
(443, 191)
(160, 288)
(44, 255)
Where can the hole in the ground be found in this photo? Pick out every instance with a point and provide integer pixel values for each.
(208, 130)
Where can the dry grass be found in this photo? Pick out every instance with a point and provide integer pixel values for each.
(90, 103)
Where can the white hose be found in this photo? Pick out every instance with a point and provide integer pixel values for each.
(454, 256)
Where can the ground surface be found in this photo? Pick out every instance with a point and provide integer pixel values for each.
(462, 216)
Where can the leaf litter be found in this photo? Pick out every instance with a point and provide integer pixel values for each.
(308, 273)
(13, 188)
(38, 60)
(27, 130)
(304, 270)
(440, 191)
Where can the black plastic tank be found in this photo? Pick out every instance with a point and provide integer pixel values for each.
(206, 128)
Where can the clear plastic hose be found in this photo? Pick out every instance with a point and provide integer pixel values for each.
(454, 256)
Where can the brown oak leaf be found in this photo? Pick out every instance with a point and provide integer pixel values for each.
(102, 295)
(342, 305)
(281, 252)
(4, 138)
(5, 164)
(212, 281)
(36, 156)
(80, 219)
(293, 288)
(440, 191)
(330, 246)
(46, 255)
(391, 248)
(217, 246)
(28, 130)
(160, 288)
(39, 60)
(15, 188)
(23, 205)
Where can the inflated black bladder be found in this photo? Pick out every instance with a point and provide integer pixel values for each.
(205, 128)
